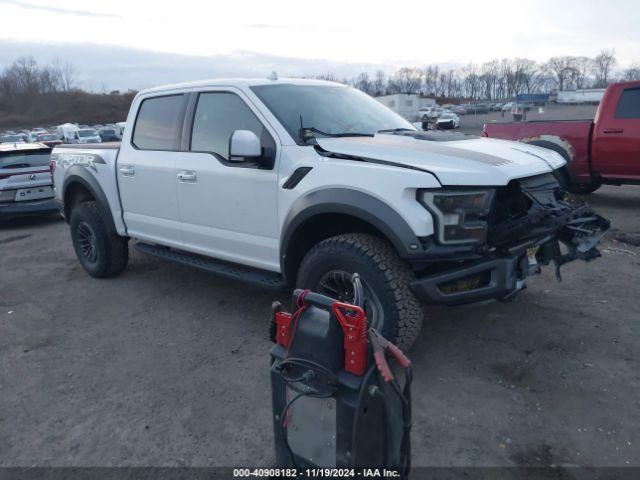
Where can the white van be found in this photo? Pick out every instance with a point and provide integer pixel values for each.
(67, 132)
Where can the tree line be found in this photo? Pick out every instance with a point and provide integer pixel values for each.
(39, 95)
(33, 94)
(497, 79)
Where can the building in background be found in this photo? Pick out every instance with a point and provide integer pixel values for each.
(406, 104)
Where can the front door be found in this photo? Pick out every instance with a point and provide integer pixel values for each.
(146, 171)
(228, 208)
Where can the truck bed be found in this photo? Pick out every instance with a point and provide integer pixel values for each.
(570, 136)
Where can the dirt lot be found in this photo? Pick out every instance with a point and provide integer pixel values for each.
(165, 365)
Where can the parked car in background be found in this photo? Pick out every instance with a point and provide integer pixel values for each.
(448, 121)
(506, 107)
(32, 136)
(496, 107)
(108, 134)
(48, 139)
(601, 151)
(477, 108)
(429, 113)
(11, 138)
(120, 126)
(67, 132)
(25, 180)
(87, 135)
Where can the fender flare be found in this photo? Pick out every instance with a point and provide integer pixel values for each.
(356, 204)
(77, 174)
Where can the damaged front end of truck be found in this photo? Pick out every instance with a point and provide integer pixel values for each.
(522, 226)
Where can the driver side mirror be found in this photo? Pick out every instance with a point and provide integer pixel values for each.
(243, 145)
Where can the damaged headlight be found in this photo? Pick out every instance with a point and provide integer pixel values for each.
(459, 214)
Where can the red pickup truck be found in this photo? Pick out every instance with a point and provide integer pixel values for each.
(603, 151)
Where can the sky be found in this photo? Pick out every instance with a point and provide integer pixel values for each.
(365, 34)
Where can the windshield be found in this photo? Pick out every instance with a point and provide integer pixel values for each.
(86, 133)
(446, 115)
(24, 160)
(107, 132)
(327, 108)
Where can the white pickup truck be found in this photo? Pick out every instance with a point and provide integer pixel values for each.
(301, 183)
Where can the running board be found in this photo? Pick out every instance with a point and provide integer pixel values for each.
(262, 278)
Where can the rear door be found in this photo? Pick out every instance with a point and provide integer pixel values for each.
(146, 171)
(616, 148)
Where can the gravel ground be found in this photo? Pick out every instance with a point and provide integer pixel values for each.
(167, 366)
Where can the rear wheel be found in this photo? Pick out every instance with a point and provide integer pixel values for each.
(101, 253)
(390, 305)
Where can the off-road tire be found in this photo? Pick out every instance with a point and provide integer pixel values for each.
(111, 250)
(379, 266)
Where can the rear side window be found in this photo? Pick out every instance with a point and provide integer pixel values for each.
(158, 123)
(216, 117)
(629, 104)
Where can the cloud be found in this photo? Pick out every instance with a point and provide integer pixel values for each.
(264, 26)
(58, 10)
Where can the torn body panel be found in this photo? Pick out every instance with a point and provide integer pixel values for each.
(530, 225)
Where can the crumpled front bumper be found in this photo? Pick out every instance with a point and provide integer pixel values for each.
(495, 278)
(551, 231)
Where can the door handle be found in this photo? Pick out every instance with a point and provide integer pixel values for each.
(613, 130)
(127, 170)
(187, 176)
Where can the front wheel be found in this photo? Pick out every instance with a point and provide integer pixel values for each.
(390, 305)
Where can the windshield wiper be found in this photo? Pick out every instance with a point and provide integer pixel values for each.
(392, 130)
(308, 133)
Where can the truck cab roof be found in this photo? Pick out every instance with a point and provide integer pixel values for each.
(237, 82)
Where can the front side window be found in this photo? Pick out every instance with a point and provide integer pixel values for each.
(629, 104)
(217, 116)
(328, 108)
(158, 123)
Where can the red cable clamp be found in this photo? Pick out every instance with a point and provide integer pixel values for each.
(283, 334)
(354, 323)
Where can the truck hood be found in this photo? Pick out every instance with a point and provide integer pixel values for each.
(460, 161)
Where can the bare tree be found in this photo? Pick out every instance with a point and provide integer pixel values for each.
(380, 83)
(560, 67)
(603, 64)
(579, 68)
(67, 73)
(363, 82)
(633, 72)
(406, 80)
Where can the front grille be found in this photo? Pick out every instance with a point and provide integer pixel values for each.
(510, 202)
(520, 209)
